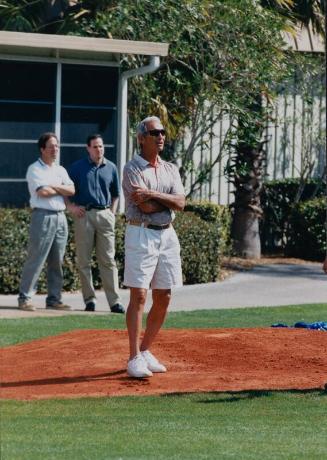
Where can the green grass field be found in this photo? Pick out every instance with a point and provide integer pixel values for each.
(245, 425)
(21, 330)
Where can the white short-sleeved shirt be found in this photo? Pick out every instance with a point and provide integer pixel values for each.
(39, 175)
(163, 178)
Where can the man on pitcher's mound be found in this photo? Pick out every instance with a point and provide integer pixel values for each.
(153, 191)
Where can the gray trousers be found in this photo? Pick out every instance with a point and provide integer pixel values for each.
(47, 243)
(97, 228)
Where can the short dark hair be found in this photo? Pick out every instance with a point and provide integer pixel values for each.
(91, 137)
(43, 139)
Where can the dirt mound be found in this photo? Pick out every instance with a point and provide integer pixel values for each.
(93, 363)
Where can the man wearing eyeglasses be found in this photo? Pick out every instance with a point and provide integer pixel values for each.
(48, 184)
(153, 191)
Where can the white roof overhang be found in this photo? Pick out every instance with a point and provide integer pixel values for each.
(73, 47)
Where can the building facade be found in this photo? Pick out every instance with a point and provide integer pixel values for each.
(72, 86)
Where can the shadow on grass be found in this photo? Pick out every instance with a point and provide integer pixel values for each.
(231, 397)
(219, 397)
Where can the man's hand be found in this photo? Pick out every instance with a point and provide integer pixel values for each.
(64, 190)
(140, 195)
(143, 198)
(75, 210)
(52, 190)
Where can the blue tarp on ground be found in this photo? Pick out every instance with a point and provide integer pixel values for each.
(318, 326)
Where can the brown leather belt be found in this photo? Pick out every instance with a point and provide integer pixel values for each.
(148, 225)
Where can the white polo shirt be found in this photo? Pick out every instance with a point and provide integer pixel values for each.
(39, 175)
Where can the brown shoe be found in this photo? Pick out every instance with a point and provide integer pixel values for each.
(26, 306)
(58, 306)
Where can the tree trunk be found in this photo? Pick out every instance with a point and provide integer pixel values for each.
(245, 233)
(247, 177)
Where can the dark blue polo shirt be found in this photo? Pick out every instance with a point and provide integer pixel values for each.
(95, 185)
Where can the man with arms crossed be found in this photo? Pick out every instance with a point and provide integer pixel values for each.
(93, 210)
(48, 184)
(153, 191)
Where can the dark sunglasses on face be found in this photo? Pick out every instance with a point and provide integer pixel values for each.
(156, 132)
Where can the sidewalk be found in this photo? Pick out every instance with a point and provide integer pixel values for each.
(264, 285)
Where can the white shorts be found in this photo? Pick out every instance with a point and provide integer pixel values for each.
(152, 258)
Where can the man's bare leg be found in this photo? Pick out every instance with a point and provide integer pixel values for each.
(156, 316)
(134, 316)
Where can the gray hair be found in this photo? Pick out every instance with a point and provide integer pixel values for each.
(141, 127)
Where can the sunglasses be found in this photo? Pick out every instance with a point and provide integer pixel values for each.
(156, 132)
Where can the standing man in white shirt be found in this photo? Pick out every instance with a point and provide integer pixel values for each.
(48, 184)
(153, 191)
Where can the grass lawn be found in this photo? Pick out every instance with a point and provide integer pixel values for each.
(246, 425)
(21, 330)
(254, 425)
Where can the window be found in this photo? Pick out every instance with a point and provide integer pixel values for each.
(27, 100)
(28, 97)
(89, 105)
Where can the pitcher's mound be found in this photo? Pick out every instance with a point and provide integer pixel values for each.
(93, 363)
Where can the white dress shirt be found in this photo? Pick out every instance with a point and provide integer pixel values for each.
(39, 175)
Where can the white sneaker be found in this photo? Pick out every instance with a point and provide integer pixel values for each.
(152, 363)
(137, 368)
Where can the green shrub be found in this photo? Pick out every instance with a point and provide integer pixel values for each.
(307, 230)
(277, 201)
(219, 215)
(202, 244)
(199, 242)
(13, 241)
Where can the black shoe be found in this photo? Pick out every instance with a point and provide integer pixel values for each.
(117, 308)
(90, 306)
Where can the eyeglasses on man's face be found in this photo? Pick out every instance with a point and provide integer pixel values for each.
(156, 132)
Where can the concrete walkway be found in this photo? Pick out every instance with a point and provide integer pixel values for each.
(264, 285)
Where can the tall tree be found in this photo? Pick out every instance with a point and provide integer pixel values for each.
(246, 167)
(224, 54)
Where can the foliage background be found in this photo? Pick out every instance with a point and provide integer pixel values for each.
(307, 230)
(203, 237)
(279, 198)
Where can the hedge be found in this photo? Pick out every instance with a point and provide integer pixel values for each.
(277, 201)
(306, 236)
(203, 235)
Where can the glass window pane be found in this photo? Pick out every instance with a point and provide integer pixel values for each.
(27, 99)
(14, 194)
(15, 159)
(77, 124)
(89, 100)
(25, 121)
(33, 81)
(89, 85)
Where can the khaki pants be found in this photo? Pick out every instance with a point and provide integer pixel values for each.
(97, 228)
